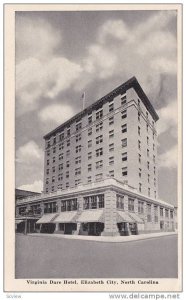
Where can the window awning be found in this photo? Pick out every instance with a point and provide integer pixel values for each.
(19, 221)
(88, 216)
(66, 217)
(47, 218)
(123, 216)
(136, 217)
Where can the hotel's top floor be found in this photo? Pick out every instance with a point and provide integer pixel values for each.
(120, 90)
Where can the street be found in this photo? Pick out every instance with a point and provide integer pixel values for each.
(47, 257)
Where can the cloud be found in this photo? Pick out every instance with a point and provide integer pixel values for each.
(168, 119)
(56, 113)
(29, 153)
(36, 186)
(169, 159)
(116, 29)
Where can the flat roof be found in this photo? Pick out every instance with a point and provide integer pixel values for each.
(132, 82)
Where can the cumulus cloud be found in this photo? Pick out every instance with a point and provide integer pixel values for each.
(36, 186)
(168, 119)
(169, 159)
(56, 113)
(116, 29)
(29, 153)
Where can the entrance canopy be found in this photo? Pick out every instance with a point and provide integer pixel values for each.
(136, 218)
(66, 217)
(123, 216)
(48, 218)
(19, 221)
(88, 216)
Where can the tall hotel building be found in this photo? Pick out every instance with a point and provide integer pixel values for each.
(100, 171)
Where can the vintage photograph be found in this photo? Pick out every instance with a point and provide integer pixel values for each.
(96, 146)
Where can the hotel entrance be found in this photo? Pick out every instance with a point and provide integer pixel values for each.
(93, 228)
(133, 228)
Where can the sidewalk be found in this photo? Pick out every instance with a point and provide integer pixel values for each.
(108, 239)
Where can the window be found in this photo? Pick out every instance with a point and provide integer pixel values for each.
(54, 159)
(67, 174)
(69, 205)
(147, 140)
(78, 137)
(60, 167)
(99, 139)
(89, 167)
(78, 148)
(120, 201)
(61, 146)
(153, 123)
(140, 172)
(89, 179)
(139, 145)
(111, 173)
(78, 160)
(140, 187)
(124, 171)
(149, 192)
(147, 152)
(67, 184)
(93, 202)
(68, 143)
(54, 150)
(53, 178)
(171, 214)
(124, 156)
(124, 143)
(89, 119)
(50, 207)
(89, 131)
(68, 153)
(166, 213)
(78, 126)
(148, 165)
(47, 180)
(68, 131)
(148, 178)
(111, 133)
(61, 136)
(155, 194)
(123, 99)
(153, 135)
(111, 147)
(124, 114)
(77, 182)
(99, 114)
(139, 158)
(139, 130)
(154, 170)
(60, 176)
(61, 156)
(140, 207)
(99, 176)
(77, 171)
(153, 147)
(52, 188)
(48, 152)
(147, 127)
(111, 120)
(139, 102)
(48, 144)
(124, 128)
(47, 171)
(89, 143)
(60, 186)
(148, 212)
(53, 169)
(89, 155)
(99, 152)
(99, 127)
(54, 140)
(130, 204)
(154, 181)
(111, 107)
(161, 212)
(111, 160)
(139, 115)
(67, 164)
(99, 164)
(147, 114)
(155, 213)
(154, 158)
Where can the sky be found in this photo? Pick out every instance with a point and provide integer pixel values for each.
(59, 55)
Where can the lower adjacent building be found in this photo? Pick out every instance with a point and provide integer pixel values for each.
(107, 207)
